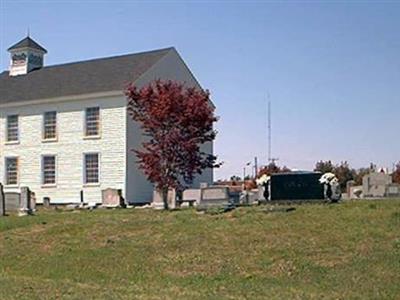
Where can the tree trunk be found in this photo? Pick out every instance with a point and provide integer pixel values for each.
(165, 197)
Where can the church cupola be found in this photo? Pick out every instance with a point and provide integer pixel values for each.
(26, 56)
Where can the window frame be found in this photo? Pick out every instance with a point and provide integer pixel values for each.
(54, 139)
(6, 184)
(55, 170)
(85, 115)
(88, 184)
(7, 128)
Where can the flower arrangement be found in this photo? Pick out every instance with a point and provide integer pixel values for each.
(263, 179)
(329, 178)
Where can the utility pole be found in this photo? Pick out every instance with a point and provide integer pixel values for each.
(269, 129)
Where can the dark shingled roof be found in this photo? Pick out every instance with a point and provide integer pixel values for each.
(27, 43)
(92, 76)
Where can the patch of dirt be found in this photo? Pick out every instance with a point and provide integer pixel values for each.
(282, 268)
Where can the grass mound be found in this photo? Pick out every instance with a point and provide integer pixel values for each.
(345, 251)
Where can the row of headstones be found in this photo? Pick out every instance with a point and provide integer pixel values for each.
(111, 198)
(26, 202)
(204, 197)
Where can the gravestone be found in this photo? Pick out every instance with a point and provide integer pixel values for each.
(171, 199)
(192, 194)
(12, 200)
(375, 184)
(393, 190)
(112, 198)
(46, 202)
(2, 202)
(261, 193)
(158, 200)
(253, 197)
(24, 206)
(349, 185)
(214, 196)
(296, 186)
(249, 197)
(32, 203)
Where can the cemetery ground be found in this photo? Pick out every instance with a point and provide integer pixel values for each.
(343, 251)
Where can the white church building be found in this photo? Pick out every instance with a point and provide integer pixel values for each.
(65, 128)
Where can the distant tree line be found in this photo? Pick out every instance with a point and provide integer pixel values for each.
(272, 168)
(343, 172)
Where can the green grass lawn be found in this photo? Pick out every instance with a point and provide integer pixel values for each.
(350, 250)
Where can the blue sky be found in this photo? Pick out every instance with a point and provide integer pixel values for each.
(332, 69)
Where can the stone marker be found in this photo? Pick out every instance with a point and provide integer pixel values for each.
(349, 185)
(192, 194)
(261, 193)
(24, 205)
(158, 201)
(393, 190)
(214, 196)
(375, 185)
(12, 200)
(244, 198)
(32, 204)
(112, 198)
(2, 202)
(249, 197)
(46, 202)
(254, 196)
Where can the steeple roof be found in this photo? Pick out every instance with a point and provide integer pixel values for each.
(27, 43)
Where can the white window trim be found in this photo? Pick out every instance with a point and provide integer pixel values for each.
(93, 184)
(44, 140)
(7, 142)
(5, 171)
(92, 137)
(48, 185)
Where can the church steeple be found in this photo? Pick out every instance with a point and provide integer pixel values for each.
(26, 56)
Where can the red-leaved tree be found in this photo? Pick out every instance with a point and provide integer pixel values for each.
(272, 168)
(177, 121)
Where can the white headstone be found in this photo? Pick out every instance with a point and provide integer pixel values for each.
(158, 202)
(215, 193)
(32, 203)
(214, 196)
(111, 198)
(24, 205)
(192, 194)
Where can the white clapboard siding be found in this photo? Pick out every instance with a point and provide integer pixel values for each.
(69, 148)
(170, 67)
(119, 135)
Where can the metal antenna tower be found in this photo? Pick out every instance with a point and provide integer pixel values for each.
(270, 158)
